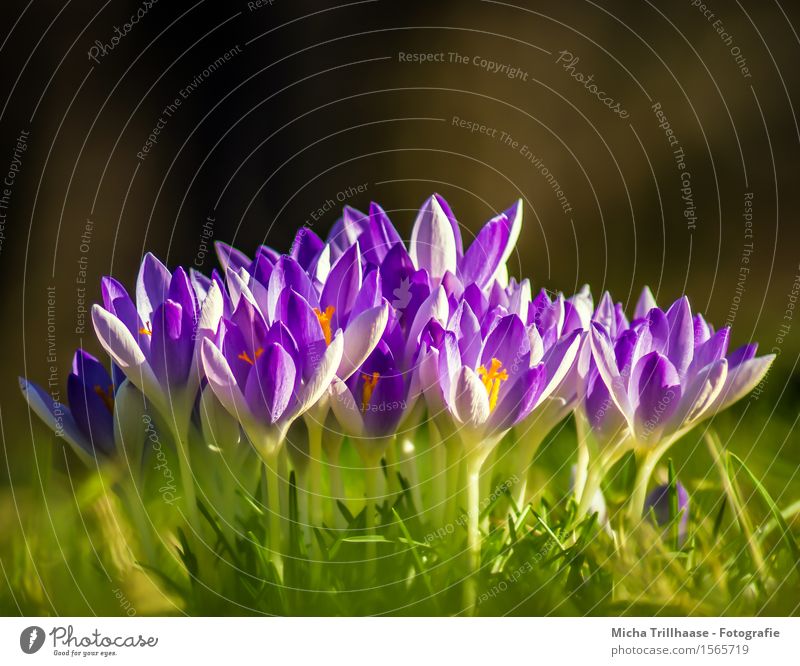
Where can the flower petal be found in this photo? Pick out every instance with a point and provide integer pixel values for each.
(658, 394)
(469, 400)
(230, 257)
(345, 408)
(58, 418)
(433, 243)
(360, 338)
(152, 286)
(223, 383)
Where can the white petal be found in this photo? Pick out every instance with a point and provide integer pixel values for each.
(470, 400)
(433, 244)
(345, 409)
(700, 395)
(433, 307)
(313, 390)
(223, 383)
(360, 338)
(742, 379)
(117, 340)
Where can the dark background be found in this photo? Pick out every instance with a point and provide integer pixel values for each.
(319, 102)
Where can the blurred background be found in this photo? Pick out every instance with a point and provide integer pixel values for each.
(652, 143)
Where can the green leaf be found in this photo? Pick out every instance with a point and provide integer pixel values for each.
(786, 533)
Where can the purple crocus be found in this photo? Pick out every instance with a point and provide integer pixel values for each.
(653, 380)
(268, 375)
(88, 423)
(479, 382)
(658, 502)
(156, 341)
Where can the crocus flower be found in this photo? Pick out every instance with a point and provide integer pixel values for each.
(480, 384)
(100, 423)
(658, 503)
(88, 423)
(156, 341)
(373, 404)
(267, 376)
(653, 381)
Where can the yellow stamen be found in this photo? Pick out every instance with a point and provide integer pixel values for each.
(325, 321)
(244, 356)
(146, 329)
(492, 379)
(369, 386)
(106, 396)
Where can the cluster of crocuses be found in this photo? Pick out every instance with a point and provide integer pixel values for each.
(368, 339)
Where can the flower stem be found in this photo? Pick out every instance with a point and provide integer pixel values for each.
(473, 531)
(315, 474)
(372, 469)
(644, 470)
(594, 477)
(273, 509)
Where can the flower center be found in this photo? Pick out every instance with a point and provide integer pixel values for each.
(369, 386)
(324, 319)
(107, 396)
(244, 356)
(492, 379)
(146, 329)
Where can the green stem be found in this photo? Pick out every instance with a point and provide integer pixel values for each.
(473, 530)
(337, 488)
(273, 510)
(372, 471)
(315, 474)
(181, 436)
(453, 472)
(594, 477)
(581, 467)
(439, 476)
(644, 470)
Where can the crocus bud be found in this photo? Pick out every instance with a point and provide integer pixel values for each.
(658, 501)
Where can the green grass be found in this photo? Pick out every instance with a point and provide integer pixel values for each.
(69, 548)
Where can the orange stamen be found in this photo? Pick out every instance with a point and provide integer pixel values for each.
(325, 321)
(106, 396)
(244, 356)
(370, 382)
(492, 379)
(146, 329)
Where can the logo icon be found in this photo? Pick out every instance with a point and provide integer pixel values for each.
(31, 639)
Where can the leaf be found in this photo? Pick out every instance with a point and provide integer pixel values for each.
(787, 535)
